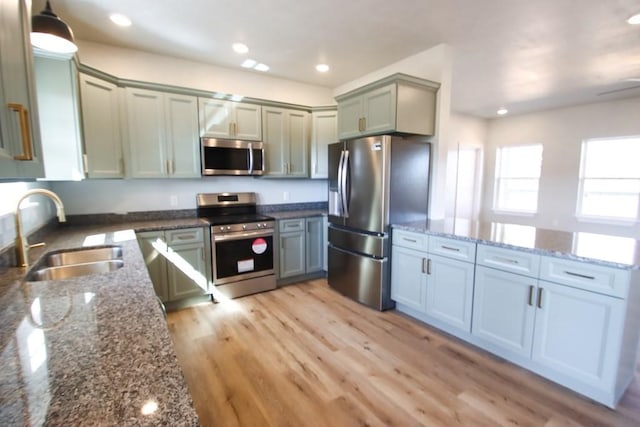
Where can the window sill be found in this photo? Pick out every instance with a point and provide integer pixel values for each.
(515, 213)
(608, 221)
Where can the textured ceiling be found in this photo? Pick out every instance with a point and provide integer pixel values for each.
(523, 54)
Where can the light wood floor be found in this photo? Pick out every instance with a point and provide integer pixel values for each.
(303, 355)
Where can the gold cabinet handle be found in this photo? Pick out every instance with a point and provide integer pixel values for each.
(364, 124)
(230, 129)
(27, 152)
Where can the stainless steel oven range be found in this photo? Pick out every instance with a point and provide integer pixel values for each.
(241, 243)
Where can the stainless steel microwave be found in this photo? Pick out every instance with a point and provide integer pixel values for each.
(231, 157)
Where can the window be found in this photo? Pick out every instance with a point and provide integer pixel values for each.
(517, 177)
(610, 179)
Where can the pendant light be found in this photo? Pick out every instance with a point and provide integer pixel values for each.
(48, 32)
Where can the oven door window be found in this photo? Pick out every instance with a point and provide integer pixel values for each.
(243, 256)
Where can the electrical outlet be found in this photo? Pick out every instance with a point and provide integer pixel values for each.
(285, 195)
(173, 200)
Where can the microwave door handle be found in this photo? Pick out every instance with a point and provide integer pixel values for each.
(345, 184)
(250, 148)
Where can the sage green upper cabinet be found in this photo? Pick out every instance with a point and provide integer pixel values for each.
(324, 130)
(398, 103)
(100, 104)
(58, 109)
(227, 119)
(286, 138)
(162, 134)
(20, 146)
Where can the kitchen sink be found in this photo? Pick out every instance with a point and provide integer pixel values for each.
(76, 262)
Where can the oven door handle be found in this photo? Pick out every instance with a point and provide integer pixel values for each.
(239, 236)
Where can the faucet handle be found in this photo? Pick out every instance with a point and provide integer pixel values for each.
(37, 245)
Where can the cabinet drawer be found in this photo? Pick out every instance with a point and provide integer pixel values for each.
(408, 239)
(291, 225)
(582, 275)
(452, 248)
(187, 235)
(519, 262)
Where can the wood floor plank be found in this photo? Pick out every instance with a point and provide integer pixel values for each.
(305, 355)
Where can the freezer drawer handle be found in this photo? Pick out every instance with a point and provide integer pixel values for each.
(582, 276)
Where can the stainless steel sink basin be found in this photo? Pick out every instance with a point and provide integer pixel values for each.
(82, 256)
(76, 262)
(74, 270)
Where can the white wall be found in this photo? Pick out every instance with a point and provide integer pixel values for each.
(150, 67)
(433, 64)
(135, 195)
(561, 132)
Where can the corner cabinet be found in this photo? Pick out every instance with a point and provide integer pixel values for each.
(178, 261)
(100, 106)
(301, 246)
(324, 131)
(286, 137)
(227, 119)
(162, 134)
(399, 103)
(20, 145)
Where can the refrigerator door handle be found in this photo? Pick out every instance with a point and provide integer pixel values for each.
(345, 183)
(340, 188)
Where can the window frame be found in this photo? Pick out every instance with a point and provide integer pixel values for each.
(602, 219)
(498, 179)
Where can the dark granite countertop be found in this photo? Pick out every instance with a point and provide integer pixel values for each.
(613, 251)
(306, 213)
(92, 350)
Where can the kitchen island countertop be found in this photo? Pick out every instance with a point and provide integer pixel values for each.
(91, 350)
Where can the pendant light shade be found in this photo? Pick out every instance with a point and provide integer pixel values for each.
(48, 32)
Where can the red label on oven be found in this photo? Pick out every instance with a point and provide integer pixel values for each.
(259, 246)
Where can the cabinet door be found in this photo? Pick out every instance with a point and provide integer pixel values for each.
(577, 333)
(314, 241)
(275, 139)
(380, 109)
(57, 89)
(247, 122)
(324, 129)
(292, 254)
(146, 134)
(450, 291)
(408, 277)
(504, 310)
(186, 271)
(101, 126)
(215, 118)
(153, 247)
(298, 142)
(350, 111)
(183, 143)
(20, 146)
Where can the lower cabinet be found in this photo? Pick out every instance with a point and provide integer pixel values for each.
(439, 287)
(301, 246)
(179, 261)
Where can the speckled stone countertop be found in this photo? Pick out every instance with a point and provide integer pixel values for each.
(297, 214)
(92, 350)
(614, 251)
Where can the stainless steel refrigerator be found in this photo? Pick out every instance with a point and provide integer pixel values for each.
(373, 182)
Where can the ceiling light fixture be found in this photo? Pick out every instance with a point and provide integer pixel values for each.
(322, 68)
(249, 63)
(120, 19)
(634, 20)
(261, 67)
(502, 111)
(51, 33)
(240, 47)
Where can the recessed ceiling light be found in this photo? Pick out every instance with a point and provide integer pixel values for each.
(634, 20)
(502, 111)
(261, 67)
(240, 47)
(322, 68)
(249, 63)
(120, 19)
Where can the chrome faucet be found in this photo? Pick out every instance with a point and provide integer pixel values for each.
(21, 241)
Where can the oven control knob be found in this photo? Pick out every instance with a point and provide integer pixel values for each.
(228, 227)
(259, 225)
(244, 227)
(264, 224)
(221, 228)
